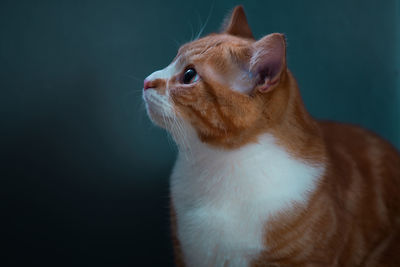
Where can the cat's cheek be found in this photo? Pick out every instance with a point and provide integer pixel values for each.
(182, 90)
(179, 112)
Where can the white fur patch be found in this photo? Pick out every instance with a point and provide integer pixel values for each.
(237, 80)
(166, 73)
(242, 83)
(158, 106)
(223, 199)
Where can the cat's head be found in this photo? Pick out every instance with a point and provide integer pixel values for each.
(225, 87)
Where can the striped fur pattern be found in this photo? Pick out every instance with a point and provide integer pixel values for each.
(258, 181)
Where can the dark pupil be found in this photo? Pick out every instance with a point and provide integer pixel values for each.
(189, 75)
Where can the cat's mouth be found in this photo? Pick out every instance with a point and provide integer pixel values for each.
(158, 107)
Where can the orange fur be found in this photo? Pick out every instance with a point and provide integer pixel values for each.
(353, 218)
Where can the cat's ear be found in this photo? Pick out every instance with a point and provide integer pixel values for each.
(236, 24)
(268, 60)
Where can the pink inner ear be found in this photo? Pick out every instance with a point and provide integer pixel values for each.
(269, 68)
(268, 60)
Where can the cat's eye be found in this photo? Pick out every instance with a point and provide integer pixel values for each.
(190, 76)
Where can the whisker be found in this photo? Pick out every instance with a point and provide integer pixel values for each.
(131, 77)
(177, 43)
(192, 31)
(165, 119)
(137, 92)
(206, 22)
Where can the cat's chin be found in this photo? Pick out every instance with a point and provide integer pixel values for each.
(181, 132)
(171, 123)
(158, 108)
(156, 118)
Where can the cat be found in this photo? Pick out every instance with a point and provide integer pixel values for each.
(257, 180)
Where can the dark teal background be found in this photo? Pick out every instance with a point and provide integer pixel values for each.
(85, 174)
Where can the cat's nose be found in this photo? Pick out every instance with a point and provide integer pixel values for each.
(147, 84)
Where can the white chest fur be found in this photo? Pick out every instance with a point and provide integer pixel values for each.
(223, 199)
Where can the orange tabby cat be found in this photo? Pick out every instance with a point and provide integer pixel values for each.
(258, 181)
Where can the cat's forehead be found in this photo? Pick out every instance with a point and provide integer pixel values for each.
(209, 43)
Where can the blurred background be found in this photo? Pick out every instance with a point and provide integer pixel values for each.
(84, 174)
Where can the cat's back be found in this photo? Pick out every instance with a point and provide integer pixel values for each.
(362, 183)
(345, 141)
(365, 166)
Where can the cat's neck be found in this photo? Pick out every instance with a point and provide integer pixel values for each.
(295, 129)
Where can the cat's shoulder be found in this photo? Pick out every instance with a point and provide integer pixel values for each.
(342, 132)
(357, 141)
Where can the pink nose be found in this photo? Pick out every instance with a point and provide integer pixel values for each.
(147, 84)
